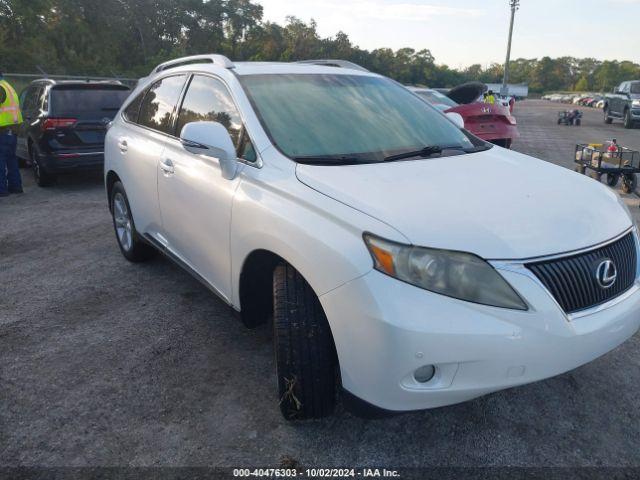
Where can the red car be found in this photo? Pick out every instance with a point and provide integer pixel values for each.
(491, 122)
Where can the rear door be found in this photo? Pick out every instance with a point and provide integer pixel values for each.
(139, 143)
(79, 115)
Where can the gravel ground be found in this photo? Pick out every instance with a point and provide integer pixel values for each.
(105, 363)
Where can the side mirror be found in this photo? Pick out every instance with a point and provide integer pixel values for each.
(211, 139)
(456, 118)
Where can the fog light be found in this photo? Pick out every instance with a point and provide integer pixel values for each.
(424, 373)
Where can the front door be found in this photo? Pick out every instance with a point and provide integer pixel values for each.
(195, 199)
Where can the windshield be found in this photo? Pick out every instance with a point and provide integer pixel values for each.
(352, 118)
(635, 87)
(436, 98)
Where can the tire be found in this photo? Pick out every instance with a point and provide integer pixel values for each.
(628, 122)
(42, 177)
(131, 245)
(612, 179)
(578, 122)
(629, 183)
(306, 360)
(607, 119)
(559, 121)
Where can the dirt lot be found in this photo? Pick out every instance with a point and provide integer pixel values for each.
(107, 363)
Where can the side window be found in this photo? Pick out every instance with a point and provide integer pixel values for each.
(133, 109)
(208, 100)
(159, 103)
(29, 99)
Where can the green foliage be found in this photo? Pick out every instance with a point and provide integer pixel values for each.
(130, 37)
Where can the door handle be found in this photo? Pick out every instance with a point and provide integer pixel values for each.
(122, 145)
(166, 166)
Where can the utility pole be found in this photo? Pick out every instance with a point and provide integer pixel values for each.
(504, 91)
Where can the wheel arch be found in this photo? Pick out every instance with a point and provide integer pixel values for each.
(110, 180)
(255, 286)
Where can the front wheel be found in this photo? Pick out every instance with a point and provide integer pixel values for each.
(131, 245)
(607, 118)
(306, 360)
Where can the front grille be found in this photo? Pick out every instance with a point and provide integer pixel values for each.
(573, 281)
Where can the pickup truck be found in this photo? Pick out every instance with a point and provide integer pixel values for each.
(624, 104)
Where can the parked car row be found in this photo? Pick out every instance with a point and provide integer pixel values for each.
(584, 99)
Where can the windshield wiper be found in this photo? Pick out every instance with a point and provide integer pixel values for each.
(423, 152)
(331, 160)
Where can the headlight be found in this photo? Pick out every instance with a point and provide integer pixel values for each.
(454, 274)
(635, 103)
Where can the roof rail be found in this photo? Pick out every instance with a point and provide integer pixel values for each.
(219, 60)
(335, 63)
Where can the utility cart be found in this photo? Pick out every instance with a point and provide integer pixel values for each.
(610, 160)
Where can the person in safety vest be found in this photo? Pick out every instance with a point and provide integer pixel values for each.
(489, 97)
(10, 118)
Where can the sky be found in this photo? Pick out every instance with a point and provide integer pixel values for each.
(463, 32)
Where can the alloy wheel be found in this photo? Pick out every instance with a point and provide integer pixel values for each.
(122, 222)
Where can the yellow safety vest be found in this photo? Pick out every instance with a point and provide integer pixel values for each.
(490, 99)
(10, 109)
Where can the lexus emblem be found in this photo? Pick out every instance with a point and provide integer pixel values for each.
(606, 274)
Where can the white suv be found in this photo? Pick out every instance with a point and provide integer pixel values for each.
(402, 261)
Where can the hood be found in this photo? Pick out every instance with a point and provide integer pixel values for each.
(467, 92)
(498, 204)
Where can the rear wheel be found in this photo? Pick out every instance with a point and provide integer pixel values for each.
(42, 177)
(629, 183)
(612, 179)
(607, 118)
(578, 122)
(628, 122)
(131, 244)
(306, 360)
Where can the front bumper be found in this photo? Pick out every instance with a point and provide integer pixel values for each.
(635, 114)
(385, 329)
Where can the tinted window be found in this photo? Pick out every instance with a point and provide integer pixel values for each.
(90, 99)
(132, 110)
(159, 103)
(208, 100)
(635, 87)
(30, 98)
